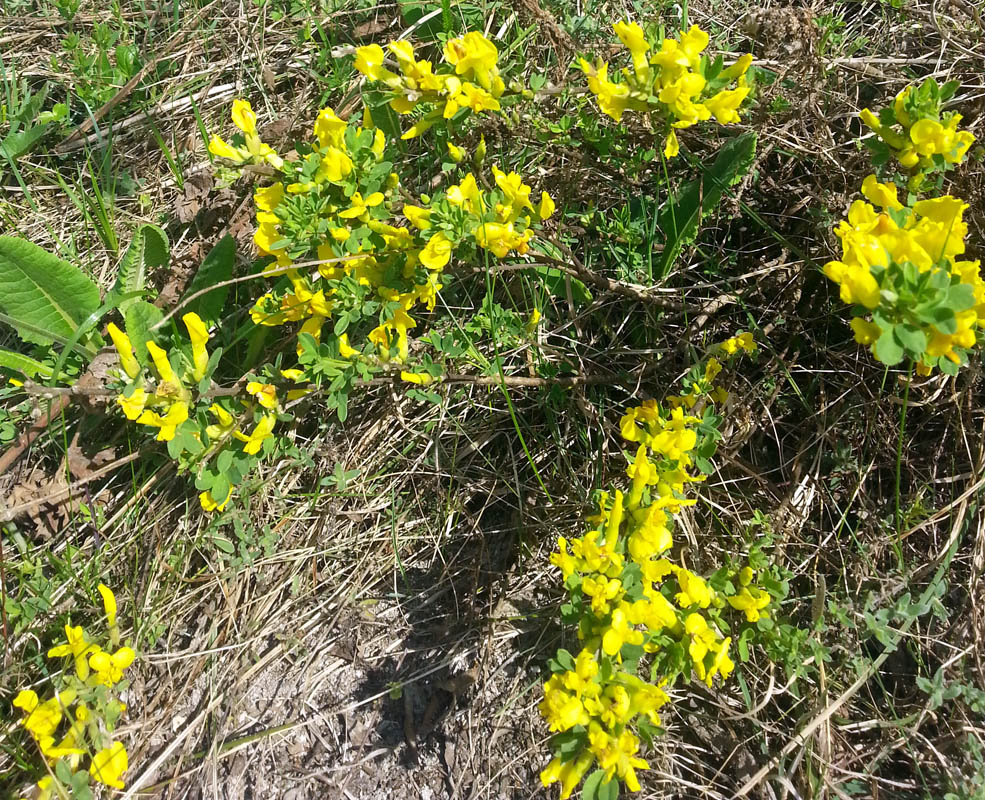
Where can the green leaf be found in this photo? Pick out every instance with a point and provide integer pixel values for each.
(384, 117)
(912, 338)
(683, 214)
(609, 790)
(887, 349)
(23, 364)
(148, 249)
(217, 267)
(556, 282)
(590, 789)
(45, 299)
(17, 144)
(139, 319)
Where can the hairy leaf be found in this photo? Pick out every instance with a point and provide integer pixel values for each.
(682, 215)
(45, 298)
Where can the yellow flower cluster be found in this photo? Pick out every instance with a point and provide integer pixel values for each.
(635, 599)
(903, 266)
(339, 207)
(501, 224)
(675, 81)
(166, 405)
(87, 702)
(166, 399)
(471, 81)
(916, 131)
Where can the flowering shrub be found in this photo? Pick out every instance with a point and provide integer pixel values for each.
(633, 602)
(913, 296)
(675, 84)
(77, 722)
(355, 257)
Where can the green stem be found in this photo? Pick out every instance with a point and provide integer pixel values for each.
(899, 464)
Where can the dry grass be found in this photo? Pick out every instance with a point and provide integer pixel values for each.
(388, 639)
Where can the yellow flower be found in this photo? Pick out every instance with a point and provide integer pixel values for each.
(243, 117)
(568, 773)
(437, 252)
(329, 129)
(209, 503)
(218, 147)
(752, 601)
(163, 365)
(109, 604)
(226, 422)
(345, 350)
(109, 764)
(419, 217)
(199, 335)
(420, 378)
(265, 393)
(545, 209)
(262, 432)
(168, 424)
(125, 349)
(694, 590)
(671, 146)
(619, 632)
(633, 38)
(43, 718)
(466, 195)
(360, 207)
(422, 125)
(613, 98)
(724, 106)
(472, 53)
(133, 406)
(456, 153)
(268, 198)
(335, 165)
(109, 668)
(561, 708)
(476, 98)
(77, 647)
(369, 61)
(881, 194)
(866, 333)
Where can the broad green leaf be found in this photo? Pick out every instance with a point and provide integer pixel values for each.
(555, 282)
(384, 117)
(590, 788)
(609, 790)
(148, 249)
(139, 319)
(217, 267)
(682, 215)
(28, 366)
(17, 144)
(912, 338)
(157, 249)
(887, 349)
(45, 298)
